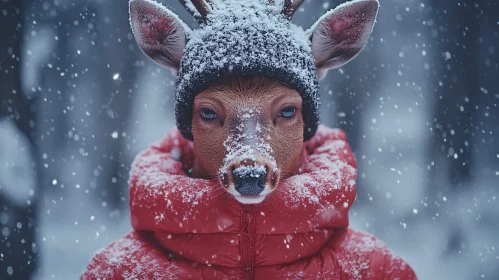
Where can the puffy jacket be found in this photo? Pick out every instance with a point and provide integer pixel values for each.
(186, 228)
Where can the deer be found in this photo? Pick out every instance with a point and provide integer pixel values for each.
(248, 131)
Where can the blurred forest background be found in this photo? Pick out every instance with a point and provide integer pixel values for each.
(78, 100)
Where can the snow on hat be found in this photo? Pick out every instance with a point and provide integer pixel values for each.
(250, 38)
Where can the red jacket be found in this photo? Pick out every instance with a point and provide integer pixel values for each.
(185, 228)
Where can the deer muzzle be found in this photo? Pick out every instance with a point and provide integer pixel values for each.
(250, 171)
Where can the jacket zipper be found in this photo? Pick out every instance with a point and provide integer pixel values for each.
(247, 242)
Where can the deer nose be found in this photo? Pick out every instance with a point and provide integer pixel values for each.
(249, 180)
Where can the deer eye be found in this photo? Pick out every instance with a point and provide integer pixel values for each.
(208, 114)
(288, 112)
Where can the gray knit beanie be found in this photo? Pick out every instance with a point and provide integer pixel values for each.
(247, 38)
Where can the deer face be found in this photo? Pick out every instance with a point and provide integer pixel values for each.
(248, 131)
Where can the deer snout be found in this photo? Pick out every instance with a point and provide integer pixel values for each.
(249, 180)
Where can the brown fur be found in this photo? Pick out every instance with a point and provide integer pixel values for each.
(226, 98)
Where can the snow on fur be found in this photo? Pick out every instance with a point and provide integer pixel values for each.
(241, 145)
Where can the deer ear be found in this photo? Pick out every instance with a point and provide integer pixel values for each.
(340, 34)
(159, 32)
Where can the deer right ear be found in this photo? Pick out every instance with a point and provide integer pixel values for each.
(340, 35)
(159, 32)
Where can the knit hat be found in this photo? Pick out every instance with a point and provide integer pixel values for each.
(247, 38)
(250, 38)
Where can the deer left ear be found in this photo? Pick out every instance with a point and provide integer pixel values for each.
(159, 32)
(340, 34)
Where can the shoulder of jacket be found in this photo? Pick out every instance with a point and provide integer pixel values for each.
(365, 253)
(118, 258)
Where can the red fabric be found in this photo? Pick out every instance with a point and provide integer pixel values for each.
(187, 228)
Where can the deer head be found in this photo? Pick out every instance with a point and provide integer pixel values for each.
(248, 130)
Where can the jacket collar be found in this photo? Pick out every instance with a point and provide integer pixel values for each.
(165, 199)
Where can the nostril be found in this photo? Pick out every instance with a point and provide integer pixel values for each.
(261, 180)
(249, 180)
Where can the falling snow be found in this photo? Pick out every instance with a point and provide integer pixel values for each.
(420, 107)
